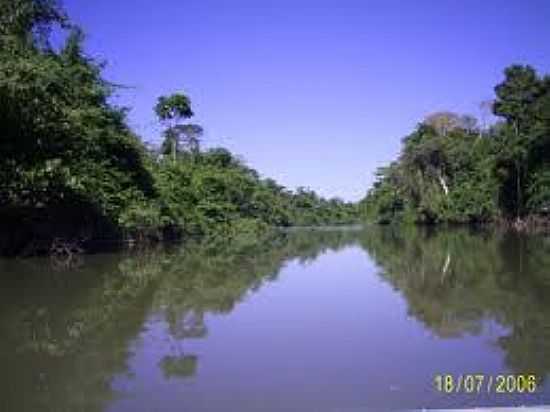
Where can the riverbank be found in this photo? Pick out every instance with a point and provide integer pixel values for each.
(529, 225)
(66, 231)
(75, 176)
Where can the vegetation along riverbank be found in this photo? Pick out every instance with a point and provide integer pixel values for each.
(73, 173)
(453, 169)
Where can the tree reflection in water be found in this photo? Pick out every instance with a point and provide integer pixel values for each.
(67, 333)
(455, 280)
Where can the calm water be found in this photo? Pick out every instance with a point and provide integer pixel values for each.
(332, 320)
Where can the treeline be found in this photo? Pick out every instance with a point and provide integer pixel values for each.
(453, 169)
(71, 168)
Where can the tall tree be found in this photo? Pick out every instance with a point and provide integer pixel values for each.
(171, 110)
(182, 136)
(515, 102)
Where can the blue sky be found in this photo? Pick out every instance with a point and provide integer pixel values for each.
(312, 93)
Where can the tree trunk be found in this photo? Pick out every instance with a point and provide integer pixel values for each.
(518, 190)
(443, 184)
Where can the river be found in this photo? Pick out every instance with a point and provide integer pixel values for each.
(309, 320)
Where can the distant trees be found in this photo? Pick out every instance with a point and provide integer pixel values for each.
(485, 111)
(171, 110)
(71, 167)
(504, 174)
(443, 122)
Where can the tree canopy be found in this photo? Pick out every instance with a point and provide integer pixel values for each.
(71, 167)
(452, 169)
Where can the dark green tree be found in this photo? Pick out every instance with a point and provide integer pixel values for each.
(171, 110)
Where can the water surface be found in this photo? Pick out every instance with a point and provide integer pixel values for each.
(331, 320)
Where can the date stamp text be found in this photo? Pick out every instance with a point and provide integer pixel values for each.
(481, 383)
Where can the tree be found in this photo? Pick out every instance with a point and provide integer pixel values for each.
(192, 134)
(516, 96)
(182, 136)
(485, 110)
(174, 107)
(28, 22)
(443, 122)
(477, 179)
(469, 123)
(177, 136)
(65, 151)
(516, 103)
(71, 167)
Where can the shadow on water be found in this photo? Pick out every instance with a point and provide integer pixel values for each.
(66, 333)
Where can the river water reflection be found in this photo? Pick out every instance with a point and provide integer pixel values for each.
(311, 320)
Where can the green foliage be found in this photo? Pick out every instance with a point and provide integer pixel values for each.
(64, 146)
(182, 136)
(449, 170)
(28, 22)
(214, 192)
(516, 96)
(538, 190)
(170, 110)
(174, 107)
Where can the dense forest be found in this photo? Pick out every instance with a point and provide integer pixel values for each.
(72, 170)
(453, 168)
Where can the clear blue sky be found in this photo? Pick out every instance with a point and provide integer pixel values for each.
(312, 93)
